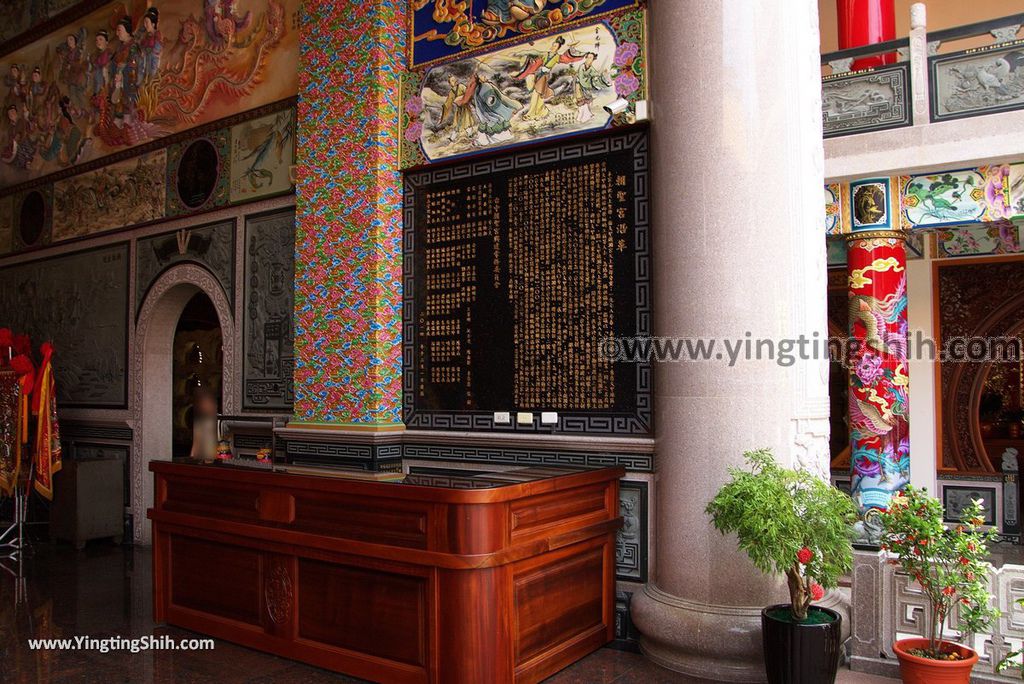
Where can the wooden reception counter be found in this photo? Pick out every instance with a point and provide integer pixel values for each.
(439, 577)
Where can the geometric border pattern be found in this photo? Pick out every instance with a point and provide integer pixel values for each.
(313, 449)
(643, 463)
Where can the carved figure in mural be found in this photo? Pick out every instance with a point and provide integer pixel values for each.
(586, 81)
(67, 140)
(73, 67)
(511, 11)
(125, 96)
(100, 65)
(37, 95)
(494, 109)
(260, 141)
(20, 145)
(150, 43)
(16, 86)
(457, 111)
(537, 71)
(223, 21)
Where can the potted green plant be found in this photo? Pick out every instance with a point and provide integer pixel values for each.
(791, 523)
(950, 566)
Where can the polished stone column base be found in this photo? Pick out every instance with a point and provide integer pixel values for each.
(711, 642)
(718, 643)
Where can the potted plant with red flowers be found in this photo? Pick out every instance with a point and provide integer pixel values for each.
(950, 566)
(791, 523)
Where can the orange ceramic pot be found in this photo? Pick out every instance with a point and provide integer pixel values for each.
(917, 670)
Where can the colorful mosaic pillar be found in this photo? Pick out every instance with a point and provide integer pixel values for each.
(348, 260)
(879, 435)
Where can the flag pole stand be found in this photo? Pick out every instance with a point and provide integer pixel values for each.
(12, 539)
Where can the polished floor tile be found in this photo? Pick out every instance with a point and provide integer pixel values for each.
(105, 591)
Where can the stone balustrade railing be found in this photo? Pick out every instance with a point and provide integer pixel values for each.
(888, 605)
(923, 85)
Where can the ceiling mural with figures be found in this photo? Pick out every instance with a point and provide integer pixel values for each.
(135, 71)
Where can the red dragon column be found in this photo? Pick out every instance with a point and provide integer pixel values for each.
(877, 361)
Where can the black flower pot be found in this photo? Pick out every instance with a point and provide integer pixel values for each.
(800, 652)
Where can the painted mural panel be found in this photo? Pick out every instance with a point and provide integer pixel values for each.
(262, 151)
(953, 197)
(552, 86)
(871, 204)
(268, 333)
(115, 196)
(833, 214)
(126, 74)
(1017, 189)
(212, 247)
(445, 29)
(79, 301)
(994, 238)
(18, 17)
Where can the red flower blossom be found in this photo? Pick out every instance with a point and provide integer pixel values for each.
(817, 591)
(949, 591)
(964, 561)
(804, 555)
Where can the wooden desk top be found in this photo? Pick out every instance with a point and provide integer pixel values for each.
(472, 487)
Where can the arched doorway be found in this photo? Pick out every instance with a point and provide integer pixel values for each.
(153, 374)
(196, 366)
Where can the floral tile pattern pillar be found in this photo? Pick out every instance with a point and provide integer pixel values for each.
(879, 434)
(348, 290)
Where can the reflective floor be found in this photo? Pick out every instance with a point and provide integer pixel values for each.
(104, 591)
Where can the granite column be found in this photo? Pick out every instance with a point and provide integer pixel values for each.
(739, 257)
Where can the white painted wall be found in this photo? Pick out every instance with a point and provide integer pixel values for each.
(922, 374)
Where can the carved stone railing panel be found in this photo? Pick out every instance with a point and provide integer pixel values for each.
(862, 101)
(904, 612)
(976, 82)
(925, 86)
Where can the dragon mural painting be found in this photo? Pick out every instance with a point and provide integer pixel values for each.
(133, 71)
(880, 446)
(442, 29)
